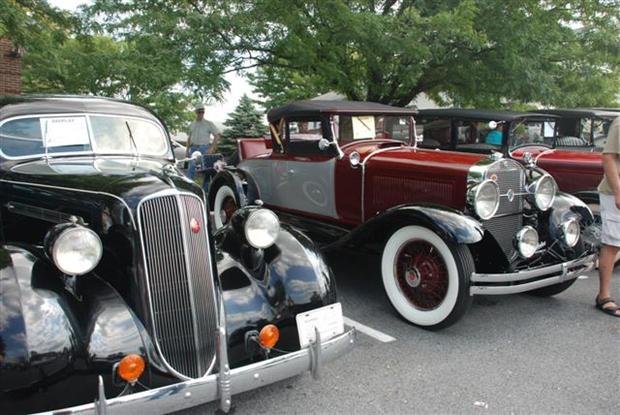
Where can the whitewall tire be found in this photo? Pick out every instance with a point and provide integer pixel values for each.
(225, 204)
(426, 278)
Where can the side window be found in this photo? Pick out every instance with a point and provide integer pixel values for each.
(305, 130)
(21, 137)
(303, 135)
(435, 133)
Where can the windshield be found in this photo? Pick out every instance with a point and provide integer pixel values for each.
(66, 134)
(363, 127)
(529, 131)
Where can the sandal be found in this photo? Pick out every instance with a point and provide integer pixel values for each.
(612, 311)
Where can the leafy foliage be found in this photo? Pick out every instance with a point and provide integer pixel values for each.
(245, 121)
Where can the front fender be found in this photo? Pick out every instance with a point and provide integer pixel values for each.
(54, 343)
(565, 204)
(288, 278)
(450, 224)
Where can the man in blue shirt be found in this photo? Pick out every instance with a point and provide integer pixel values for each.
(495, 135)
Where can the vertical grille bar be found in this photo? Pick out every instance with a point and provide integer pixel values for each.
(180, 284)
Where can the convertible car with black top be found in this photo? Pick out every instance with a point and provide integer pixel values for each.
(448, 224)
(115, 297)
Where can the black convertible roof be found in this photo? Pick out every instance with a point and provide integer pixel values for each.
(494, 115)
(11, 106)
(582, 112)
(314, 107)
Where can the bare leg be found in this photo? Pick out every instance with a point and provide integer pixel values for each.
(607, 257)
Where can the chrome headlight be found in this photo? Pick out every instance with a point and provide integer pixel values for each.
(571, 232)
(527, 241)
(74, 249)
(544, 190)
(484, 198)
(262, 228)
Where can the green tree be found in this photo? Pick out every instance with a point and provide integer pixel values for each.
(244, 122)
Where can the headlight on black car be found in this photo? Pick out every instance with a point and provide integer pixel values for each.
(75, 249)
(543, 191)
(527, 241)
(262, 228)
(484, 199)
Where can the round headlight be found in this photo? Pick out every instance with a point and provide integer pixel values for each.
(485, 199)
(527, 241)
(544, 192)
(571, 232)
(76, 250)
(262, 228)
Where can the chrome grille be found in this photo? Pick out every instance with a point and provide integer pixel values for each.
(510, 176)
(180, 282)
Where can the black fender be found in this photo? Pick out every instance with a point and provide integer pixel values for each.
(450, 224)
(269, 286)
(52, 341)
(566, 204)
(588, 196)
(244, 185)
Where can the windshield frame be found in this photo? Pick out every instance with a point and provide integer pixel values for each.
(167, 155)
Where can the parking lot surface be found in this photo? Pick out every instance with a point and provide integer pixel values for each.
(508, 354)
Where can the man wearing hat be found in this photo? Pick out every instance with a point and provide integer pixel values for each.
(199, 138)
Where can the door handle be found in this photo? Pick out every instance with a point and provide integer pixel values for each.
(291, 172)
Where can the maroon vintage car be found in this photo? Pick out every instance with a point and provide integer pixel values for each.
(449, 225)
(547, 136)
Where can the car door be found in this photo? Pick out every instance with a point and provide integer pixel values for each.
(301, 178)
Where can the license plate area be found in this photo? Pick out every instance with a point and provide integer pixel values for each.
(328, 320)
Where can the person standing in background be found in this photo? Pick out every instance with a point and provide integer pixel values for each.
(199, 138)
(609, 190)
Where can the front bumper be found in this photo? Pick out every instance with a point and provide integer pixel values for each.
(511, 283)
(194, 392)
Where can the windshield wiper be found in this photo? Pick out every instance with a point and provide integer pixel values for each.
(133, 142)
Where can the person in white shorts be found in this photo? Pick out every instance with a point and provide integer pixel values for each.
(609, 190)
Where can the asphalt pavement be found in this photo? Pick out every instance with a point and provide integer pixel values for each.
(509, 354)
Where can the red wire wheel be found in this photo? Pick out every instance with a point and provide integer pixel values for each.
(421, 274)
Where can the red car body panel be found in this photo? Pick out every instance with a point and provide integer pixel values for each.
(574, 171)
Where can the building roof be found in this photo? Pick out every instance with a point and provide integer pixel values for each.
(315, 107)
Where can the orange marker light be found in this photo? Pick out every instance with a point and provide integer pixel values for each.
(269, 336)
(130, 368)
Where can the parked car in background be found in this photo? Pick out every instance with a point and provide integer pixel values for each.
(575, 172)
(449, 225)
(581, 129)
(114, 294)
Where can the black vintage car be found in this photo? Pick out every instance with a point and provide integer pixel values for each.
(115, 295)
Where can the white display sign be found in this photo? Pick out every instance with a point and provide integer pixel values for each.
(363, 127)
(328, 320)
(64, 131)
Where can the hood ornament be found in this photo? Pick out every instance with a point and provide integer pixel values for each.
(528, 159)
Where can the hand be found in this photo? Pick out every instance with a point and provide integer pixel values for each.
(617, 200)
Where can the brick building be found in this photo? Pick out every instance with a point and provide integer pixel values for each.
(10, 69)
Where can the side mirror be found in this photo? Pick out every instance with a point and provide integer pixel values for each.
(324, 144)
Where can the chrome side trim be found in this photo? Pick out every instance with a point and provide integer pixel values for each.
(194, 392)
(363, 164)
(566, 270)
(133, 221)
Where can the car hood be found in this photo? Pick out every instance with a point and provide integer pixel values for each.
(127, 178)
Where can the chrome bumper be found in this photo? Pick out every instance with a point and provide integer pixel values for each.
(556, 274)
(207, 389)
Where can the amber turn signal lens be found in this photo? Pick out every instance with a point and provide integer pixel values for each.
(269, 336)
(131, 367)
